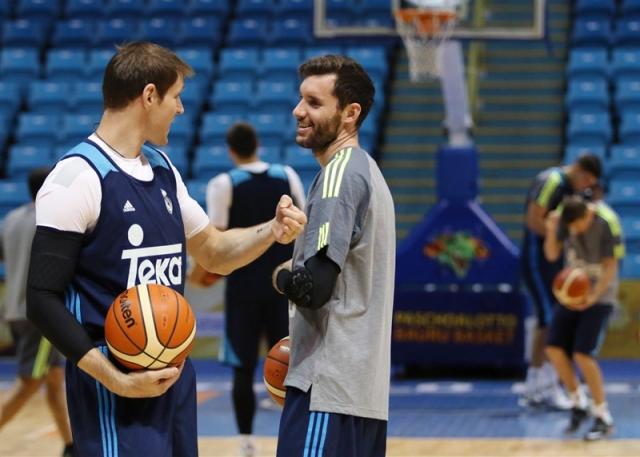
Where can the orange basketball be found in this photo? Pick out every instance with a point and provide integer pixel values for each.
(571, 286)
(276, 366)
(149, 326)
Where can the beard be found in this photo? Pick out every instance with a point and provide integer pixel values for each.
(324, 133)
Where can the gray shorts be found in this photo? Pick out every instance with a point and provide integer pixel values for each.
(34, 353)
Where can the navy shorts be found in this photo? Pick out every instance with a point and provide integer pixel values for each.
(34, 353)
(305, 433)
(106, 425)
(247, 319)
(538, 275)
(579, 331)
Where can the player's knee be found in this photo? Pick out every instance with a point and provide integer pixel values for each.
(581, 357)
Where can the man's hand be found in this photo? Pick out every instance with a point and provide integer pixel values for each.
(289, 221)
(588, 301)
(148, 383)
(551, 222)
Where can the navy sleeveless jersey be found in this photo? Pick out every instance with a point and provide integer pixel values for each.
(138, 239)
(254, 200)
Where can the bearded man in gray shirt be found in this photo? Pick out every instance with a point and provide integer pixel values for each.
(341, 278)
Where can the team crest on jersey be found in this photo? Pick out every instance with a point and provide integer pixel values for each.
(167, 201)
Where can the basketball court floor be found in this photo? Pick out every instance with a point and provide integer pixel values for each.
(479, 418)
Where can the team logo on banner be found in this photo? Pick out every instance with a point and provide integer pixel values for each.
(456, 251)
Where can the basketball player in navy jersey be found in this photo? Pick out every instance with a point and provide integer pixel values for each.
(243, 197)
(341, 278)
(115, 213)
(543, 196)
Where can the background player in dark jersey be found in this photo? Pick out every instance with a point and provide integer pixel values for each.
(115, 213)
(544, 195)
(590, 236)
(341, 278)
(244, 197)
(38, 362)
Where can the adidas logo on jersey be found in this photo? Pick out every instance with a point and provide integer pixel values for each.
(128, 207)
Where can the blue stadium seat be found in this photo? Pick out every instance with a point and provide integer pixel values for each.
(627, 32)
(630, 8)
(74, 33)
(572, 152)
(631, 231)
(199, 32)
(160, 30)
(115, 31)
(87, 98)
(270, 154)
(201, 61)
(280, 63)
(588, 62)
(37, 129)
(315, 51)
(66, 65)
(48, 97)
(248, 32)
(125, 8)
(76, 127)
(591, 32)
(19, 65)
(193, 96)
(303, 162)
(255, 8)
(9, 99)
(23, 159)
(594, 8)
(630, 266)
(629, 127)
(624, 163)
(372, 58)
(232, 96)
(290, 30)
(625, 63)
(12, 194)
(588, 94)
(178, 157)
(215, 125)
(5, 9)
(376, 19)
(25, 33)
(38, 9)
(211, 160)
(238, 62)
(589, 128)
(627, 95)
(217, 8)
(98, 60)
(182, 131)
(273, 96)
(84, 9)
(625, 192)
(197, 189)
(165, 8)
(295, 8)
(342, 11)
(270, 127)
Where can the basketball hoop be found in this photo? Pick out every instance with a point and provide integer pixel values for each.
(423, 31)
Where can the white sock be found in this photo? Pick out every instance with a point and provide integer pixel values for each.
(602, 411)
(578, 398)
(550, 373)
(532, 381)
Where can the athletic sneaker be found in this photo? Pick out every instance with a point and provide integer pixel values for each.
(578, 416)
(247, 447)
(555, 397)
(599, 430)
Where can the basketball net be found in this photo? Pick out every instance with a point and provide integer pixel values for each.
(423, 31)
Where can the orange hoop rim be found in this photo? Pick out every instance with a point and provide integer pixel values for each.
(425, 21)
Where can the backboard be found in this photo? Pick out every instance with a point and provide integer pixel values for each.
(477, 19)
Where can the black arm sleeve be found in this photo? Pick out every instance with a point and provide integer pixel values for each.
(53, 261)
(310, 286)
